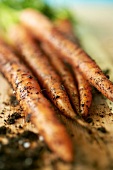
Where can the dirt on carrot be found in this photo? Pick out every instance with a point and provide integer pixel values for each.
(44, 71)
(29, 94)
(44, 30)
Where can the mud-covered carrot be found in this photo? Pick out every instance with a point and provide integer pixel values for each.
(65, 75)
(34, 103)
(84, 88)
(42, 68)
(85, 93)
(43, 29)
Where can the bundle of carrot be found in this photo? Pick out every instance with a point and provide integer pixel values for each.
(84, 88)
(46, 59)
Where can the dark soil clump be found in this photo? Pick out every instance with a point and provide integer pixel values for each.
(18, 153)
(12, 118)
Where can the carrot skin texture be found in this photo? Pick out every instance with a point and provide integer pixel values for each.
(65, 75)
(84, 87)
(42, 28)
(85, 92)
(66, 28)
(29, 94)
(39, 63)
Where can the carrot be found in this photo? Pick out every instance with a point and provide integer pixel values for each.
(65, 27)
(29, 94)
(44, 30)
(84, 87)
(65, 75)
(42, 68)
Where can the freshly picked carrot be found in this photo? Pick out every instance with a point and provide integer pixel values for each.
(65, 75)
(85, 92)
(66, 28)
(84, 88)
(42, 28)
(44, 71)
(29, 94)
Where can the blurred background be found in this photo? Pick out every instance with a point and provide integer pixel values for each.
(95, 18)
(97, 15)
(71, 2)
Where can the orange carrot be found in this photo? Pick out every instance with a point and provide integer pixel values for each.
(65, 75)
(84, 88)
(42, 68)
(66, 28)
(43, 29)
(34, 103)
